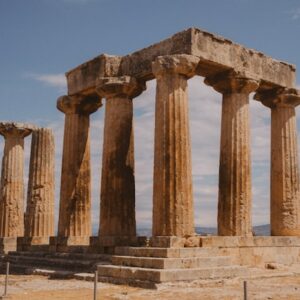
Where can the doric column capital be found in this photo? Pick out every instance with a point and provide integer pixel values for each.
(182, 64)
(123, 86)
(12, 129)
(232, 82)
(279, 97)
(78, 104)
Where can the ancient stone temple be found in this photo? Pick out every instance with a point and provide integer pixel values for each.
(174, 251)
(233, 71)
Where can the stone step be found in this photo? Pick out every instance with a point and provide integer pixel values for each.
(88, 256)
(256, 241)
(54, 262)
(128, 281)
(159, 275)
(20, 253)
(167, 252)
(171, 263)
(53, 273)
(85, 276)
(13, 268)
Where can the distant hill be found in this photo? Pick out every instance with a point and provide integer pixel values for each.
(261, 230)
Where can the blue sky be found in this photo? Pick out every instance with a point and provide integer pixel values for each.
(42, 39)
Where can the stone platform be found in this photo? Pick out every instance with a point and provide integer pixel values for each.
(257, 251)
(28, 262)
(213, 257)
(166, 259)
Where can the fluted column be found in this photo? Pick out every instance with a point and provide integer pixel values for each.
(117, 208)
(12, 179)
(235, 199)
(75, 195)
(173, 208)
(39, 218)
(285, 181)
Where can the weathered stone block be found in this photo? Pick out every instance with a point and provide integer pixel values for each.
(192, 241)
(8, 244)
(167, 242)
(69, 244)
(114, 241)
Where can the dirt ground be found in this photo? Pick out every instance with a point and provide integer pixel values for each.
(41, 288)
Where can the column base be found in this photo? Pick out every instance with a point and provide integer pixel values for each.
(52, 244)
(285, 232)
(34, 244)
(78, 244)
(107, 244)
(175, 241)
(8, 244)
(113, 241)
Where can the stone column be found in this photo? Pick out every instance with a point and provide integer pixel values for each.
(117, 208)
(12, 183)
(39, 218)
(285, 181)
(234, 207)
(74, 226)
(173, 211)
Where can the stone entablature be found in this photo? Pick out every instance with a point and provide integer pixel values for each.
(216, 53)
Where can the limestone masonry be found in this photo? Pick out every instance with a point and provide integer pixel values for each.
(233, 71)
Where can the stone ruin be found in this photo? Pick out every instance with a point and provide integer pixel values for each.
(36, 225)
(174, 252)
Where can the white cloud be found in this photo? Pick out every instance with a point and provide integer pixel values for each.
(53, 80)
(295, 14)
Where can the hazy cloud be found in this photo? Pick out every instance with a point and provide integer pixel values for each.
(55, 80)
(295, 14)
